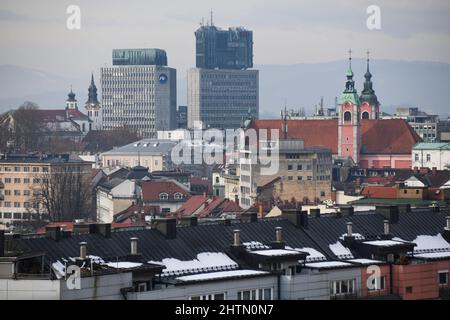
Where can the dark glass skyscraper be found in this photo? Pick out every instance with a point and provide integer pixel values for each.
(224, 49)
(139, 57)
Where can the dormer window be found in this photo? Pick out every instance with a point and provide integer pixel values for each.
(163, 196)
(178, 196)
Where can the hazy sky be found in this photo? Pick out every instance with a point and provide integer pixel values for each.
(34, 33)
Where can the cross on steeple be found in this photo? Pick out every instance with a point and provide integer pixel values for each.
(350, 57)
(368, 55)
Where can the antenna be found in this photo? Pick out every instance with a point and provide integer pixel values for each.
(212, 13)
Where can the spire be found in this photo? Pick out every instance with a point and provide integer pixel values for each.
(71, 95)
(349, 94)
(368, 94)
(92, 95)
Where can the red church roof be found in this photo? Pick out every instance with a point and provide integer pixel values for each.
(378, 136)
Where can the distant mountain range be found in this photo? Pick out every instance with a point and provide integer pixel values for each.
(397, 83)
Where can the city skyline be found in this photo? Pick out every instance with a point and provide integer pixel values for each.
(296, 32)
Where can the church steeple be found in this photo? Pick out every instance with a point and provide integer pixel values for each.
(350, 94)
(92, 96)
(368, 94)
(71, 102)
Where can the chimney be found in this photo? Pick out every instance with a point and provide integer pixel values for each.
(134, 245)
(189, 221)
(104, 229)
(83, 250)
(347, 210)
(434, 169)
(315, 212)
(53, 232)
(134, 255)
(391, 213)
(349, 229)
(386, 233)
(445, 233)
(278, 243)
(349, 238)
(424, 170)
(416, 170)
(237, 247)
(297, 217)
(168, 227)
(249, 217)
(260, 211)
(2, 243)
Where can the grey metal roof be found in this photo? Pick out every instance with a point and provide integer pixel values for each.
(144, 147)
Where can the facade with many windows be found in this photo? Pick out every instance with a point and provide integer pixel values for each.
(21, 180)
(139, 97)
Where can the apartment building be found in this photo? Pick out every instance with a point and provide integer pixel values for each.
(21, 181)
(303, 174)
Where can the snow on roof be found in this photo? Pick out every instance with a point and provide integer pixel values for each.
(59, 268)
(385, 243)
(123, 265)
(340, 251)
(433, 255)
(314, 255)
(328, 264)
(425, 243)
(206, 261)
(222, 275)
(357, 236)
(276, 252)
(254, 245)
(365, 261)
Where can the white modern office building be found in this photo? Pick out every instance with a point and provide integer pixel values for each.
(139, 92)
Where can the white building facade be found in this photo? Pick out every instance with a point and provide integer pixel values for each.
(431, 155)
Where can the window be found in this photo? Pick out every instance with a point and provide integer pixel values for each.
(16, 180)
(165, 210)
(217, 180)
(16, 204)
(213, 296)
(299, 167)
(409, 289)
(26, 169)
(17, 215)
(417, 191)
(35, 169)
(428, 157)
(342, 287)
(17, 192)
(255, 294)
(7, 204)
(416, 157)
(26, 192)
(299, 178)
(36, 180)
(17, 169)
(26, 180)
(290, 167)
(27, 205)
(347, 116)
(44, 169)
(163, 196)
(7, 192)
(7, 180)
(405, 191)
(290, 178)
(365, 115)
(443, 278)
(322, 193)
(7, 215)
(178, 196)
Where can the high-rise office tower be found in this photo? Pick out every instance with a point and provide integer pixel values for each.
(139, 92)
(224, 49)
(221, 91)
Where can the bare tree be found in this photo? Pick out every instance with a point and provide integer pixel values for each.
(65, 193)
(27, 128)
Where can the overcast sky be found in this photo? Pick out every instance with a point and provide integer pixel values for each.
(34, 33)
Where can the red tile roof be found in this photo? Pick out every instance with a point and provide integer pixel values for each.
(383, 192)
(152, 189)
(204, 207)
(378, 136)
